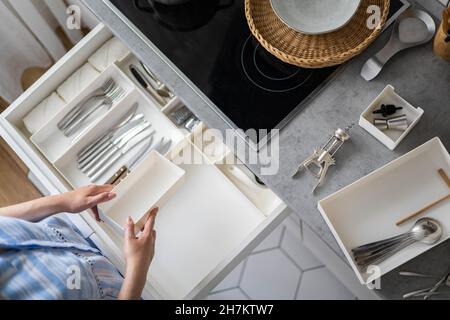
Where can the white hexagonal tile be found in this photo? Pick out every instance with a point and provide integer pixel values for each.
(272, 241)
(232, 280)
(270, 275)
(233, 294)
(320, 284)
(292, 245)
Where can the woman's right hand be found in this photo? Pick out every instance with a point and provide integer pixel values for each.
(138, 255)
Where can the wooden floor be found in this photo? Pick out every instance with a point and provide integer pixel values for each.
(14, 184)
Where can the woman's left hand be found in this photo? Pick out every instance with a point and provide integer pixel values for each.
(89, 197)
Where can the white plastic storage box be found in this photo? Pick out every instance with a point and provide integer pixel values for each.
(390, 138)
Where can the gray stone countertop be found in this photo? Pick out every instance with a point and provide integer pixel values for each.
(417, 75)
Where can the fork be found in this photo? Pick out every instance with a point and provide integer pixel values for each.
(78, 109)
(111, 97)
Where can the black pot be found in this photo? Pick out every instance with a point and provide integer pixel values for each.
(183, 15)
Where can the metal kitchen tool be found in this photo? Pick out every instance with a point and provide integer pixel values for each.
(412, 28)
(126, 118)
(120, 152)
(165, 92)
(322, 158)
(191, 123)
(181, 115)
(106, 102)
(99, 93)
(425, 230)
(156, 93)
(399, 123)
(431, 291)
(131, 129)
(114, 148)
(126, 168)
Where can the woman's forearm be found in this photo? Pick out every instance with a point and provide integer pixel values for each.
(133, 284)
(35, 210)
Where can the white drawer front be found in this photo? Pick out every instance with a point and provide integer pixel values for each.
(204, 230)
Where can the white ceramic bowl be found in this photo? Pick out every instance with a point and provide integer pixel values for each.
(315, 16)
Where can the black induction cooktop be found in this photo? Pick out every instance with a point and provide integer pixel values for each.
(210, 42)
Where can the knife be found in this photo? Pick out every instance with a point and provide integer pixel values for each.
(127, 148)
(125, 170)
(127, 117)
(114, 147)
(113, 138)
(130, 165)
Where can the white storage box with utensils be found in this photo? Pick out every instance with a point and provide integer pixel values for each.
(369, 209)
(53, 141)
(390, 137)
(210, 224)
(150, 185)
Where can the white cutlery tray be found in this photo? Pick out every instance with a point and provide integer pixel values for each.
(390, 138)
(368, 209)
(148, 186)
(52, 142)
(163, 128)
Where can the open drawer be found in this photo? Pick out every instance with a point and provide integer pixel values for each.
(205, 228)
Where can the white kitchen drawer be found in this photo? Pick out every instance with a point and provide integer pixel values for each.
(204, 230)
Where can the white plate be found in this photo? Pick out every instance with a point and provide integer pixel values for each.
(368, 209)
(315, 16)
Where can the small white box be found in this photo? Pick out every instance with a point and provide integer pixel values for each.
(390, 138)
(150, 185)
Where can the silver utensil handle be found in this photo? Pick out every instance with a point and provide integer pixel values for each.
(73, 127)
(380, 249)
(414, 293)
(436, 286)
(83, 154)
(376, 244)
(98, 165)
(94, 155)
(62, 124)
(419, 275)
(382, 257)
(103, 169)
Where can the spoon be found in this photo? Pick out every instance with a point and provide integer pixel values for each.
(426, 230)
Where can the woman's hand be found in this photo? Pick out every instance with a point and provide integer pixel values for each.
(74, 202)
(89, 197)
(138, 255)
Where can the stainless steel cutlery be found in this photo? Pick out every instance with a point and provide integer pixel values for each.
(162, 147)
(143, 81)
(116, 138)
(100, 93)
(162, 88)
(425, 230)
(125, 135)
(115, 131)
(120, 152)
(86, 111)
(430, 291)
(113, 147)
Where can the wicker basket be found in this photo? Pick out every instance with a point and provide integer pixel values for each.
(313, 51)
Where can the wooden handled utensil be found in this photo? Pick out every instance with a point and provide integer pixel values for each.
(429, 206)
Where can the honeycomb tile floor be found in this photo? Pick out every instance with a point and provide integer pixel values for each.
(281, 267)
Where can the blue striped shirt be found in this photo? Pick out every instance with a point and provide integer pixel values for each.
(52, 260)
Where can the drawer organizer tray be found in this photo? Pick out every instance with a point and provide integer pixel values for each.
(150, 185)
(208, 220)
(368, 209)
